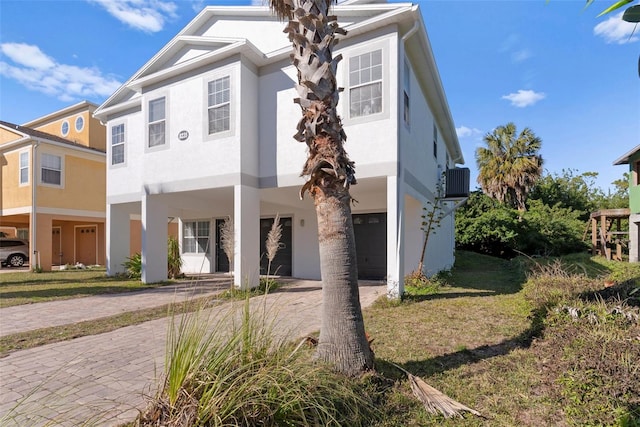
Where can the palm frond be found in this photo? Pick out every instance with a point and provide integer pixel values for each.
(435, 401)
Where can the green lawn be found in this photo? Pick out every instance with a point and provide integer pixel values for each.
(524, 342)
(482, 342)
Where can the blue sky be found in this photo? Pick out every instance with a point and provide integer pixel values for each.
(551, 66)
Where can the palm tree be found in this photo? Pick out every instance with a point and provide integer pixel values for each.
(312, 31)
(510, 164)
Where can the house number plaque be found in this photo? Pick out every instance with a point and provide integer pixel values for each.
(183, 135)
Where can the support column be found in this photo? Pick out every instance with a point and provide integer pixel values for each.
(634, 238)
(154, 239)
(41, 254)
(246, 223)
(594, 236)
(118, 236)
(395, 238)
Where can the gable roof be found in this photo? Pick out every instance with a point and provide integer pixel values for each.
(624, 159)
(194, 47)
(30, 133)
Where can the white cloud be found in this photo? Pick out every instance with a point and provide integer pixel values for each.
(615, 30)
(524, 98)
(145, 15)
(464, 132)
(27, 55)
(521, 55)
(37, 71)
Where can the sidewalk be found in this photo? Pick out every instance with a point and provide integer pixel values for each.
(103, 379)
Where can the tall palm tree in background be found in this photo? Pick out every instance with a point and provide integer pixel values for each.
(509, 165)
(342, 342)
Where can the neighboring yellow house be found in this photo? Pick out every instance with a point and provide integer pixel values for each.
(63, 153)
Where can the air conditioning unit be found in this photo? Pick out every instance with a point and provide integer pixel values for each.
(456, 183)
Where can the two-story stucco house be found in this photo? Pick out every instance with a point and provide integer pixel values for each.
(204, 131)
(53, 186)
(632, 158)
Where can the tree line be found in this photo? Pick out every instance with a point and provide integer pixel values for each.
(520, 208)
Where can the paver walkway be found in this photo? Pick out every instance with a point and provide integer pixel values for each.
(29, 317)
(103, 379)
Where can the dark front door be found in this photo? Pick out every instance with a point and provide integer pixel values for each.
(371, 245)
(222, 262)
(281, 264)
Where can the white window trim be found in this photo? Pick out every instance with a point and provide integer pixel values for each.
(62, 132)
(233, 103)
(196, 236)
(28, 167)
(75, 124)
(346, 103)
(110, 143)
(46, 184)
(167, 119)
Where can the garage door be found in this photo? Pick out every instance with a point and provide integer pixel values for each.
(281, 264)
(371, 245)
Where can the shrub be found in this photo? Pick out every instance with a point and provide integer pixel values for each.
(484, 225)
(174, 260)
(133, 266)
(221, 372)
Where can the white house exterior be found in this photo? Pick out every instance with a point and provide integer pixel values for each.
(204, 131)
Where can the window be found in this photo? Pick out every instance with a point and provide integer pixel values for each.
(51, 169)
(636, 173)
(219, 105)
(65, 128)
(24, 167)
(117, 144)
(79, 123)
(365, 83)
(157, 122)
(435, 142)
(195, 237)
(407, 78)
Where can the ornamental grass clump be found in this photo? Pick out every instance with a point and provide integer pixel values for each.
(234, 371)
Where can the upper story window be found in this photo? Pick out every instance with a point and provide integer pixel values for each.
(51, 169)
(365, 84)
(636, 173)
(407, 78)
(219, 105)
(195, 236)
(117, 144)
(79, 123)
(65, 128)
(435, 142)
(157, 122)
(24, 167)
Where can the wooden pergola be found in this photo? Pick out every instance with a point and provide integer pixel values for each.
(604, 236)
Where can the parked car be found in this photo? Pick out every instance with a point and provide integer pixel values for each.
(13, 252)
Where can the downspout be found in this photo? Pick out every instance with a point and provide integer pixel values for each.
(34, 216)
(399, 225)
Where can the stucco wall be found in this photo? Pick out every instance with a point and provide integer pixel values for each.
(14, 195)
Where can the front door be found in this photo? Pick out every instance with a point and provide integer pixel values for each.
(371, 245)
(222, 262)
(86, 245)
(56, 246)
(281, 264)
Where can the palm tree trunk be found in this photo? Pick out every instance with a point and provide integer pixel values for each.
(343, 342)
